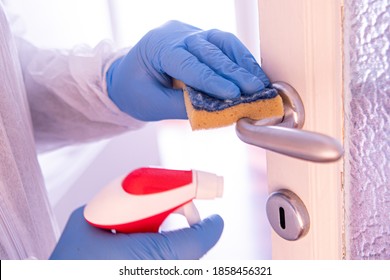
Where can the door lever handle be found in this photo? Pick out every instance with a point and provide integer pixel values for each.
(285, 136)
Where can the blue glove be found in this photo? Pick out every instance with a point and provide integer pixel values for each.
(80, 240)
(213, 62)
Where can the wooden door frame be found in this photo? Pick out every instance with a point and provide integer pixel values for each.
(301, 44)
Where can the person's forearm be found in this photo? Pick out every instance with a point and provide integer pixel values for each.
(67, 95)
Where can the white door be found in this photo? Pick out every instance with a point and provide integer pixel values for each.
(301, 44)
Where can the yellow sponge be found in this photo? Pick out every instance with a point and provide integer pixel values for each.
(206, 112)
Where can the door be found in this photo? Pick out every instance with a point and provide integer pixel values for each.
(301, 44)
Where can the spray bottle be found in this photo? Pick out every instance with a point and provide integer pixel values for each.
(142, 200)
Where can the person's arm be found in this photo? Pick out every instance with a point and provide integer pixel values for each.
(76, 96)
(67, 95)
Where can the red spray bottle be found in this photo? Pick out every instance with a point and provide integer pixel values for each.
(142, 200)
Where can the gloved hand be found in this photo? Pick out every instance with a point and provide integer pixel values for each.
(80, 240)
(212, 61)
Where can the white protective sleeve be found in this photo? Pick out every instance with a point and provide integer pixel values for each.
(67, 94)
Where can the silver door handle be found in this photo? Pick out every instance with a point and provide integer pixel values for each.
(284, 135)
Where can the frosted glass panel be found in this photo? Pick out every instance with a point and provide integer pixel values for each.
(367, 129)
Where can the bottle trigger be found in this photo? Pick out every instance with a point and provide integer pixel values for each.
(189, 211)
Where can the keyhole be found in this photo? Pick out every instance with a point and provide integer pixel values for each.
(282, 218)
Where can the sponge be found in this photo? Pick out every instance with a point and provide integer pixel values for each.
(206, 112)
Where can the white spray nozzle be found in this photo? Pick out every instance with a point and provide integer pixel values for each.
(209, 185)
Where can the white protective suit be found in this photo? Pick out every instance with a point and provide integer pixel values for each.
(48, 99)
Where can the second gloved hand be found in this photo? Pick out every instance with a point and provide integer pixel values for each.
(212, 61)
(80, 240)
